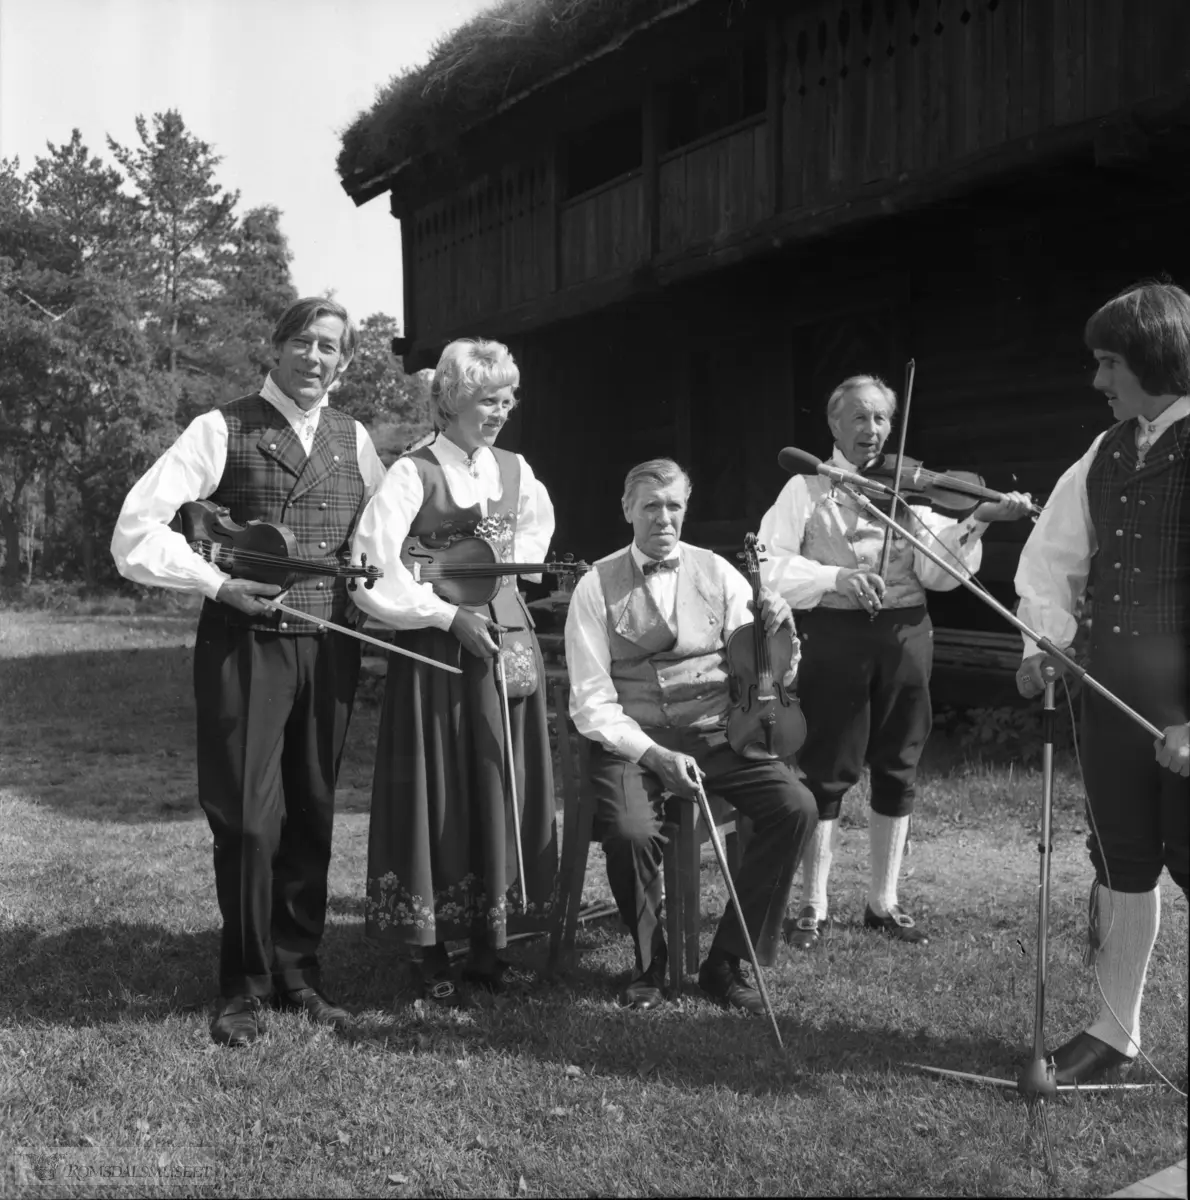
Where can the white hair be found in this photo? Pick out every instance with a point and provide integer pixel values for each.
(853, 383)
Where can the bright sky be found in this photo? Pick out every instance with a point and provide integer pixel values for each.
(268, 84)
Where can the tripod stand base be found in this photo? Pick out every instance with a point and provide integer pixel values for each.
(1029, 1091)
(1037, 1079)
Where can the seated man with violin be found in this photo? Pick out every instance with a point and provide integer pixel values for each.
(646, 638)
(273, 693)
(867, 646)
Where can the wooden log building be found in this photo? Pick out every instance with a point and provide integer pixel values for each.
(693, 229)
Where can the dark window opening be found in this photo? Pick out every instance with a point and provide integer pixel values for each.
(603, 151)
(716, 94)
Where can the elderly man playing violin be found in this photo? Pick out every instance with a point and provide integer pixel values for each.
(1118, 525)
(273, 694)
(867, 648)
(645, 648)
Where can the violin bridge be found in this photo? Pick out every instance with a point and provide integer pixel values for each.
(415, 571)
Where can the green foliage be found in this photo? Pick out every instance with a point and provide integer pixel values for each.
(1007, 733)
(376, 391)
(129, 302)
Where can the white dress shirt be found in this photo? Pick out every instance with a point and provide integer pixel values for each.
(594, 703)
(147, 551)
(397, 601)
(1051, 576)
(803, 582)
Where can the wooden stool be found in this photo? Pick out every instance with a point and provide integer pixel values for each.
(680, 859)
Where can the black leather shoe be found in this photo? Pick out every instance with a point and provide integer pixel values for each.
(642, 993)
(899, 926)
(804, 931)
(1084, 1057)
(314, 1004)
(239, 1021)
(647, 990)
(725, 982)
(490, 981)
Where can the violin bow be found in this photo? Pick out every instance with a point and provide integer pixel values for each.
(510, 761)
(705, 806)
(363, 637)
(886, 549)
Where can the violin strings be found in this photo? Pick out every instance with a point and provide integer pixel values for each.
(263, 559)
(466, 569)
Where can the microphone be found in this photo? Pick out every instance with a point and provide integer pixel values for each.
(799, 462)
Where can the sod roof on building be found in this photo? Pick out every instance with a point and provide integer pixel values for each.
(506, 51)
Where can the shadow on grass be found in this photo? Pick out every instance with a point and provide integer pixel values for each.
(92, 974)
(106, 974)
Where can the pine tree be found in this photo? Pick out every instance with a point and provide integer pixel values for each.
(186, 225)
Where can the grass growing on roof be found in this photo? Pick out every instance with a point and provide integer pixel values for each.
(108, 945)
(509, 47)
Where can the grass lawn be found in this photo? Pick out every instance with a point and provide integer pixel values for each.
(108, 945)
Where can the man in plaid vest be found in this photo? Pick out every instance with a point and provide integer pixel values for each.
(273, 693)
(1117, 527)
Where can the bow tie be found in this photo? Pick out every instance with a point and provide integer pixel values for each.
(665, 564)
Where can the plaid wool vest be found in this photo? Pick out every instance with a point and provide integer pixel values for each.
(1141, 514)
(318, 497)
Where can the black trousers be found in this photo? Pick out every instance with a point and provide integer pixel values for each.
(273, 712)
(1142, 809)
(864, 685)
(628, 820)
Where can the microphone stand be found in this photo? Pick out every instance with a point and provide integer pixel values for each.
(1036, 1081)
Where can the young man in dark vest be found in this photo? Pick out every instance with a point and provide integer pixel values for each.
(1117, 527)
(645, 649)
(273, 693)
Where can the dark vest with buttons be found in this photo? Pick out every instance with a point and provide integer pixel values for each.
(440, 518)
(319, 497)
(1141, 516)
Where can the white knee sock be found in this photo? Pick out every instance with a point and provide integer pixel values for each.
(886, 847)
(1127, 927)
(816, 866)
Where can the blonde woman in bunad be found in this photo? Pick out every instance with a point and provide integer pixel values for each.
(441, 848)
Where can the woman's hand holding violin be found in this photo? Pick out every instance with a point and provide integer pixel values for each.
(474, 633)
(1011, 507)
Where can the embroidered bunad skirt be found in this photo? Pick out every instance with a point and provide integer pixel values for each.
(441, 846)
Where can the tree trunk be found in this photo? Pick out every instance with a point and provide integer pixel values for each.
(10, 525)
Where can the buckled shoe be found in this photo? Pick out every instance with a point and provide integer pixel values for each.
(1084, 1057)
(804, 931)
(898, 925)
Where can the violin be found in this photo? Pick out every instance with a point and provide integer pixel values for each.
(956, 493)
(466, 569)
(764, 720)
(259, 550)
